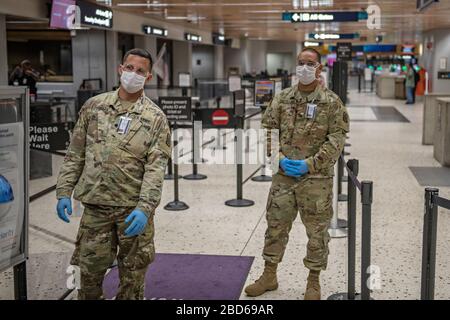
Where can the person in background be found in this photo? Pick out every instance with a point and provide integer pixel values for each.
(25, 75)
(410, 84)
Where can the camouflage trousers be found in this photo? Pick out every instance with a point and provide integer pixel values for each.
(312, 197)
(100, 241)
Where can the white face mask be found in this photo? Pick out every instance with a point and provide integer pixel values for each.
(306, 75)
(132, 82)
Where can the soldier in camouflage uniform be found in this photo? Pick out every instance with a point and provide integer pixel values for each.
(312, 123)
(115, 166)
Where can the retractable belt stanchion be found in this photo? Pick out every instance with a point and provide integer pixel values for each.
(176, 204)
(195, 175)
(366, 190)
(366, 200)
(429, 245)
(334, 230)
(263, 177)
(239, 201)
(342, 223)
(353, 165)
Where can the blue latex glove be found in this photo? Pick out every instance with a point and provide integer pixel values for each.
(288, 168)
(300, 167)
(64, 204)
(138, 221)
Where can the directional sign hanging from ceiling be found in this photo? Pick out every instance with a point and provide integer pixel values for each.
(333, 36)
(295, 17)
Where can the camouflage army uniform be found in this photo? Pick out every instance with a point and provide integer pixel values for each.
(319, 142)
(112, 174)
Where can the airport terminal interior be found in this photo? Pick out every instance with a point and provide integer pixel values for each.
(227, 65)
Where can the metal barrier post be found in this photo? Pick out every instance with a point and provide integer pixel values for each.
(353, 165)
(366, 200)
(429, 244)
(334, 230)
(263, 177)
(176, 204)
(239, 201)
(195, 175)
(20, 281)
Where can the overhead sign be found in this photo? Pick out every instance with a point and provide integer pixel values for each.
(62, 14)
(333, 36)
(344, 51)
(192, 37)
(51, 137)
(296, 17)
(444, 75)
(264, 92)
(312, 44)
(422, 4)
(95, 15)
(220, 117)
(176, 108)
(160, 32)
(218, 38)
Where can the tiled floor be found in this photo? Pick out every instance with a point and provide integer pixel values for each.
(385, 150)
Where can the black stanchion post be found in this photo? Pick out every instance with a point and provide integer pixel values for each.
(170, 175)
(239, 201)
(195, 175)
(342, 223)
(20, 281)
(176, 204)
(359, 81)
(353, 164)
(366, 200)
(429, 244)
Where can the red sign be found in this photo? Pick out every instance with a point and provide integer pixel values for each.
(220, 117)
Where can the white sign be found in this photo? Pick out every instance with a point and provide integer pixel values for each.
(184, 79)
(367, 74)
(12, 204)
(278, 87)
(234, 83)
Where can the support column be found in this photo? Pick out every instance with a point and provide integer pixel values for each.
(148, 43)
(112, 59)
(218, 62)
(182, 59)
(89, 56)
(3, 52)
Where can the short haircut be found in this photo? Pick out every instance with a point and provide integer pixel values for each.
(141, 53)
(310, 49)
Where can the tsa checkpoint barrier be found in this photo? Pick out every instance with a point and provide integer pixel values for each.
(14, 176)
(365, 189)
(432, 204)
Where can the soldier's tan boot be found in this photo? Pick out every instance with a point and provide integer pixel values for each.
(313, 286)
(267, 282)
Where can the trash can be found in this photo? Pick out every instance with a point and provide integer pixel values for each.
(442, 132)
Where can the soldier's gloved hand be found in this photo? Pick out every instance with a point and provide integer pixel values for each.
(289, 169)
(300, 166)
(138, 221)
(64, 204)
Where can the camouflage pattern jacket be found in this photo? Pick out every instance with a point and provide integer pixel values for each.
(319, 140)
(105, 167)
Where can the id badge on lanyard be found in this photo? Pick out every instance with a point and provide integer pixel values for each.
(124, 124)
(311, 109)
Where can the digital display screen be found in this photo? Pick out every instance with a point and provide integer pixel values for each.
(62, 14)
